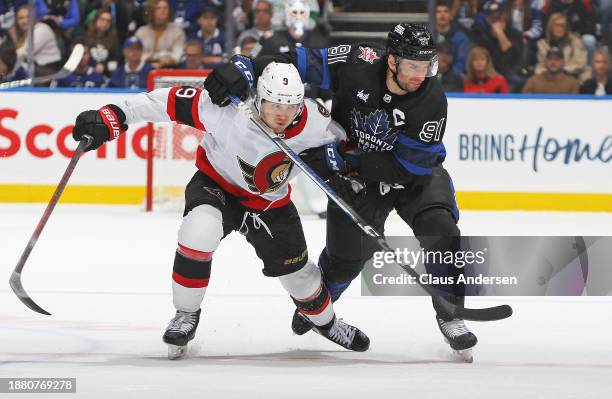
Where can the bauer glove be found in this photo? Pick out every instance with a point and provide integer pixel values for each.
(103, 125)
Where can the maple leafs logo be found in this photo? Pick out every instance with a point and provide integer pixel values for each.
(375, 123)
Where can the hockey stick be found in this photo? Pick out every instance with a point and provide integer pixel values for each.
(453, 310)
(67, 69)
(15, 280)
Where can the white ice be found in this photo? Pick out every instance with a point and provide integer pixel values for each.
(104, 273)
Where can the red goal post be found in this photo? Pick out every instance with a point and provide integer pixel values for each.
(158, 79)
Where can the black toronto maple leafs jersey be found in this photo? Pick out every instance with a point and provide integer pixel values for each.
(404, 130)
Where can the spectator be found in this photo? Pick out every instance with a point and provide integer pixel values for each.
(120, 11)
(101, 40)
(84, 75)
(162, 41)
(492, 31)
(213, 40)
(64, 13)
(295, 34)
(553, 80)
(605, 12)
(525, 16)
(601, 83)
(184, 13)
(137, 12)
(451, 81)
(7, 13)
(194, 55)
(248, 46)
(580, 18)
(10, 69)
(449, 32)
(463, 12)
(46, 53)
(262, 22)
(574, 52)
(279, 17)
(481, 74)
(133, 74)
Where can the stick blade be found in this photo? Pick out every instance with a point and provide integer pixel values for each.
(75, 57)
(17, 287)
(487, 314)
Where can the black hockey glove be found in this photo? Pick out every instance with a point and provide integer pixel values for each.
(340, 161)
(352, 189)
(103, 125)
(235, 78)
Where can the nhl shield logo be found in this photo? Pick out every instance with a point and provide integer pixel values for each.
(368, 55)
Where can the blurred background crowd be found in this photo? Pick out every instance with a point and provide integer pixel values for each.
(493, 46)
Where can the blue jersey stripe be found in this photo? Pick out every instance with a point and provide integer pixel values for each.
(408, 142)
(410, 167)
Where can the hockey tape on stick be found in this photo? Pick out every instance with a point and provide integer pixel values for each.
(68, 68)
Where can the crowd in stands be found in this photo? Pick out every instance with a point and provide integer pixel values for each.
(484, 46)
(524, 46)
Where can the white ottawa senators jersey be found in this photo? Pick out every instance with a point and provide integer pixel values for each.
(234, 152)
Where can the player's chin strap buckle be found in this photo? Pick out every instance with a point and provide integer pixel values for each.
(257, 224)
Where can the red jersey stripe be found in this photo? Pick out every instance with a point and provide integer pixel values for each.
(171, 106)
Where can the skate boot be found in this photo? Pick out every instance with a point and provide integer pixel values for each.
(460, 339)
(345, 335)
(180, 331)
(300, 323)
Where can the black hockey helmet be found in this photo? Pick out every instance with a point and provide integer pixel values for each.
(412, 41)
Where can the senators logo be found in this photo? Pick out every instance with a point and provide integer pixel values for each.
(269, 174)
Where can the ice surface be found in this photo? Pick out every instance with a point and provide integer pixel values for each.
(104, 273)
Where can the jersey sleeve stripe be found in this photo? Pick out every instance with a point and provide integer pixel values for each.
(408, 142)
(416, 157)
(412, 168)
(195, 111)
(171, 107)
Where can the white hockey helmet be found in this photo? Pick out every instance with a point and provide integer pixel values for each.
(281, 84)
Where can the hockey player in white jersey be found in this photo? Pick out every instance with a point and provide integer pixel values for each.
(241, 185)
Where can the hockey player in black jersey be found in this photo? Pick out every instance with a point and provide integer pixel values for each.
(394, 112)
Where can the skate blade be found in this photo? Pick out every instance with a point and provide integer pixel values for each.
(176, 352)
(465, 355)
(462, 354)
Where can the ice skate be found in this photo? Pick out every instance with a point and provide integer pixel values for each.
(460, 339)
(345, 335)
(179, 332)
(300, 323)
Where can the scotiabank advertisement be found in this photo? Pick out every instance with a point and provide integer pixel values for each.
(503, 153)
(36, 144)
